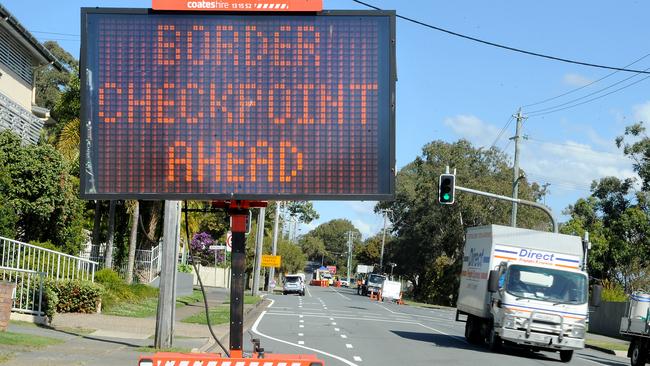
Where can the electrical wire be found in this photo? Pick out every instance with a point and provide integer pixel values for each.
(509, 48)
(505, 127)
(589, 100)
(584, 86)
(198, 276)
(584, 96)
(58, 34)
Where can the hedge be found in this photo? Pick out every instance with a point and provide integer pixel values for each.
(71, 296)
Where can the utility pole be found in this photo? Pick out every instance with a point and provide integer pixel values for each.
(259, 240)
(275, 238)
(350, 233)
(167, 296)
(383, 240)
(515, 180)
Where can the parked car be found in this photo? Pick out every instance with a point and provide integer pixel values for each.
(345, 282)
(294, 284)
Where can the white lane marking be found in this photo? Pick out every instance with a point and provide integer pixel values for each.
(271, 304)
(343, 336)
(300, 316)
(299, 306)
(357, 358)
(331, 318)
(308, 292)
(333, 323)
(301, 342)
(336, 329)
(417, 315)
(348, 345)
(301, 334)
(302, 321)
(348, 317)
(256, 331)
(343, 296)
(324, 307)
(301, 326)
(462, 339)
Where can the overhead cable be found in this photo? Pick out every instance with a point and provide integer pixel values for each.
(509, 48)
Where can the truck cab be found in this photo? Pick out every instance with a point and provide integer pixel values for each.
(539, 306)
(373, 283)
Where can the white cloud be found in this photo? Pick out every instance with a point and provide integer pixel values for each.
(642, 112)
(473, 128)
(364, 228)
(362, 207)
(576, 80)
(572, 166)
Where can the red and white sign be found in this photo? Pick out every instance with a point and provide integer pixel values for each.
(229, 241)
(332, 269)
(238, 5)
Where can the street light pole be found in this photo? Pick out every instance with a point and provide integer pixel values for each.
(383, 240)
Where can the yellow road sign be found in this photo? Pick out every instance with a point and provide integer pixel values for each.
(271, 260)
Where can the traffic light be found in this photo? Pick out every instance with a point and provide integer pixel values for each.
(446, 189)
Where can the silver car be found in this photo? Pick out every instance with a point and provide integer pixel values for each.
(293, 285)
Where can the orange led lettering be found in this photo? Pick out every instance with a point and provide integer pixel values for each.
(173, 160)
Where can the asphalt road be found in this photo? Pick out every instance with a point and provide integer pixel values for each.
(342, 328)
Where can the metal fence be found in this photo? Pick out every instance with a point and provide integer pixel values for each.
(28, 295)
(23, 256)
(146, 267)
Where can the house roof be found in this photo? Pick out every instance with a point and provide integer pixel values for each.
(28, 39)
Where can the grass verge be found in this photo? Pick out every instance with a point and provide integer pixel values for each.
(218, 315)
(147, 306)
(613, 346)
(248, 299)
(10, 339)
(421, 304)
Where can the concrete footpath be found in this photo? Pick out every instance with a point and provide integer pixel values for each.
(98, 339)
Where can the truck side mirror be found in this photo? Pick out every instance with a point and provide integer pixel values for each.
(493, 281)
(596, 295)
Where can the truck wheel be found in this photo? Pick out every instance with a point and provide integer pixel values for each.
(639, 354)
(566, 356)
(472, 334)
(493, 340)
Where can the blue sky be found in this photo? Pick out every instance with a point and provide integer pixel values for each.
(451, 88)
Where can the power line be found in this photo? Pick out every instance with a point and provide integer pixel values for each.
(584, 86)
(577, 147)
(509, 48)
(56, 34)
(589, 100)
(585, 96)
(503, 129)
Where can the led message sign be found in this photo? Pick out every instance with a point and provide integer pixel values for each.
(179, 105)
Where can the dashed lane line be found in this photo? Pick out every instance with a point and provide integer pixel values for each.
(344, 336)
(256, 331)
(357, 358)
(348, 346)
(343, 296)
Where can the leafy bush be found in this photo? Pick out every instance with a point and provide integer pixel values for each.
(185, 268)
(613, 292)
(109, 278)
(72, 296)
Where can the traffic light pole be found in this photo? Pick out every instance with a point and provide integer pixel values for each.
(514, 200)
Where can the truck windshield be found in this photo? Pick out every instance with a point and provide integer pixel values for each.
(376, 279)
(546, 284)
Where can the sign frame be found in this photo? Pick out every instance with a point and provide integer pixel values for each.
(241, 5)
(85, 118)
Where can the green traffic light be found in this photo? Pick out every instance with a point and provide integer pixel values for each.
(446, 196)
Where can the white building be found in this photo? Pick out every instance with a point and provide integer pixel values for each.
(20, 55)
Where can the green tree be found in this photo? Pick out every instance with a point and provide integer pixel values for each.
(334, 235)
(303, 210)
(313, 247)
(42, 193)
(293, 259)
(429, 237)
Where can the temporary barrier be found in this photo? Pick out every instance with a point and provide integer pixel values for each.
(215, 359)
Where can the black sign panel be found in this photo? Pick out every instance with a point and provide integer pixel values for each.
(214, 106)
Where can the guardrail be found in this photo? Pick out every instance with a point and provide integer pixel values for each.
(23, 256)
(28, 295)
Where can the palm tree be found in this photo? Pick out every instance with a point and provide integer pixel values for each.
(132, 207)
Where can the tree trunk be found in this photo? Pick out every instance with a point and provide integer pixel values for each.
(135, 216)
(108, 255)
(156, 209)
(94, 249)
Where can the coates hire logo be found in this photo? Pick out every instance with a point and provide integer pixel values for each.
(239, 5)
(526, 255)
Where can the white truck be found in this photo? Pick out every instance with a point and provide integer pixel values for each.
(636, 325)
(524, 287)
